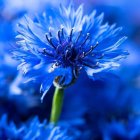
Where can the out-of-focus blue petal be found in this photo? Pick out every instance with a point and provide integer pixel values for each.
(34, 129)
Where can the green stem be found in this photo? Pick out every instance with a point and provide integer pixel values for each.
(57, 105)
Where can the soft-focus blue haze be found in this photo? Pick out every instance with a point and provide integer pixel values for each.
(107, 108)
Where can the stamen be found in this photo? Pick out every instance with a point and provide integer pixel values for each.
(66, 53)
(80, 67)
(80, 33)
(91, 49)
(91, 66)
(50, 32)
(62, 30)
(87, 37)
(97, 43)
(57, 64)
(59, 37)
(71, 62)
(44, 52)
(50, 41)
(71, 34)
(57, 49)
(75, 73)
(47, 38)
(82, 55)
(101, 56)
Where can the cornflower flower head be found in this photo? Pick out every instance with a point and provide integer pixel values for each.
(57, 45)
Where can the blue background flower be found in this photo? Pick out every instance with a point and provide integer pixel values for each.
(34, 129)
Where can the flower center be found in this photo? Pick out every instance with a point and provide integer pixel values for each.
(67, 51)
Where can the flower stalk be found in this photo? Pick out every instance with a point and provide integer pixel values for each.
(57, 105)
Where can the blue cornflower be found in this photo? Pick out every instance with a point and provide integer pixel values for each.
(58, 44)
(37, 130)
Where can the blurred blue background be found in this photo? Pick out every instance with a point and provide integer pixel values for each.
(109, 106)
